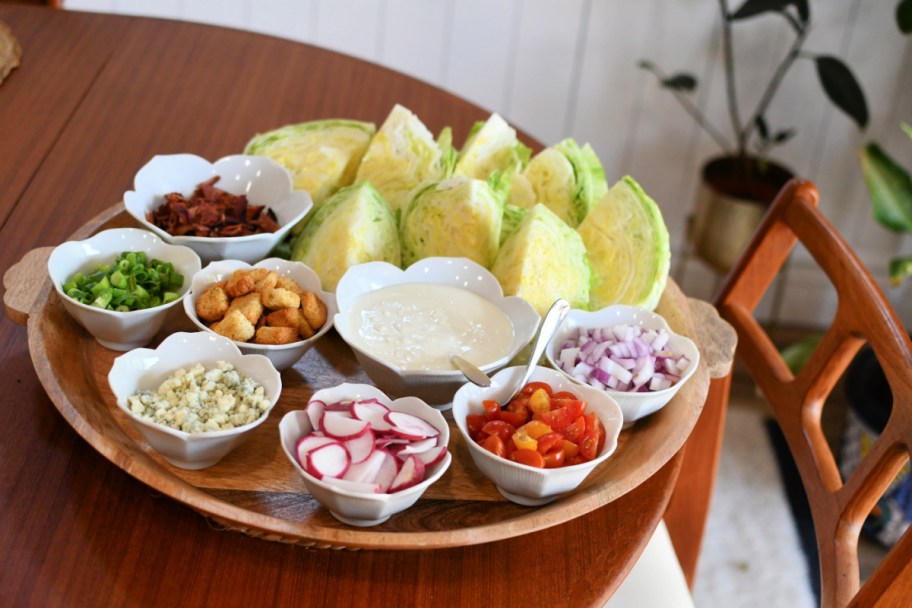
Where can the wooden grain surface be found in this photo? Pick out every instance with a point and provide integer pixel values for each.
(94, 98)
(255, 489)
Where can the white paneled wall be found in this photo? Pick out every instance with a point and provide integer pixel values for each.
(568, 68)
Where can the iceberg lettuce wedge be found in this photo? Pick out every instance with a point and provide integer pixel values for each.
(492, 146)
(402, 156)
(628, 246)
(321, 155)
(354, 226)
(457, 217)
(566, 178)
(542, 260)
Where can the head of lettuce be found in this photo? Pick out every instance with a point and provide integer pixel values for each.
(544, 259)
(457, 217)
(354, 226)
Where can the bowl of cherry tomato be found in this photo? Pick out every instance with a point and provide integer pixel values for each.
(545, 441)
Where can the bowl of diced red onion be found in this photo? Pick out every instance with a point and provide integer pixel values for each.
(629, 352)
(364, 456)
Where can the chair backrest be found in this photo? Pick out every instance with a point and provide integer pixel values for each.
(863, 315)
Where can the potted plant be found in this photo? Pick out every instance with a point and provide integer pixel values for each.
(739, 184)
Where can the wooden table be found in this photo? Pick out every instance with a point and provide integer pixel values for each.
(93, 99)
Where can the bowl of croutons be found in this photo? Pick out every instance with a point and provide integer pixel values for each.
(274, 308)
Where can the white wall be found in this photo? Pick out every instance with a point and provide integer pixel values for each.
(568, 68)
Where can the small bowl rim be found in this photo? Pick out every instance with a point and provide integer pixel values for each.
(413, 274)
(157, 240)
(327, 298)
(184, 435)
(306, 204)
(588, 322)
(607, 450)
(386, 497)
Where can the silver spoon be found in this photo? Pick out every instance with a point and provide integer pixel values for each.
(552, 321)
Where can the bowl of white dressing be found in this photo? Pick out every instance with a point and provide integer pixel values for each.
(403, 325)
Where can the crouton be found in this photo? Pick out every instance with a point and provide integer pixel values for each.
(240, 283)
(276, 335)
(250, 305)
(277, 298)
(234, 326)
(286, 317)
(212, 304)
(313, 309)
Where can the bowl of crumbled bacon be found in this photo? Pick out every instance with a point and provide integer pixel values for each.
(238, 207)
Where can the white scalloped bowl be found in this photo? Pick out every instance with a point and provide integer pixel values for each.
(264, 181)
(145, 368)
(282, 356)
(521, 483)
(358, 508)
(435, 387)
(112, 329)
(635, 405)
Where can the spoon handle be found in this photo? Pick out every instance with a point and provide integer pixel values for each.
(554, 317)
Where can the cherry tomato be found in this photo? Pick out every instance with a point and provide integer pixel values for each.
(588, 445)
(570, 449)
(474, 422)
(563, 417)
(534, 386)
(540, 402)
(491, 408)
(549, 441)
(529, 457)
(536, 428)
(564, 395)
(514, 419)
(500, 428)
(555, 458)
(495, 445)
(520, 405)
(523, 441)
(574, 431)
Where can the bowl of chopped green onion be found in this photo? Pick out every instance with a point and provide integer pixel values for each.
(122, 284)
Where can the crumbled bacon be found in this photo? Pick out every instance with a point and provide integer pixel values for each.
(211, 211)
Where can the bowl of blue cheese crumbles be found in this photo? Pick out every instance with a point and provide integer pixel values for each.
(195, 397)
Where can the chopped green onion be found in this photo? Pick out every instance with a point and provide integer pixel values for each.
(131, 282)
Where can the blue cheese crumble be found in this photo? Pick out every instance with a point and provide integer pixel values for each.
(198, 401)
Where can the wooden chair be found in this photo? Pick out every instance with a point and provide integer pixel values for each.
(863, 315)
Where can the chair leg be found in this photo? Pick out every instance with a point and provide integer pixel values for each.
(689, 506)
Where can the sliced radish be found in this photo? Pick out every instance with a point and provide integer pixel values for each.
(388, 471)
(416, 447)
(339, 406)
(308, 443)
(353, 486)
(330, 460)
(373, 412)
(411, 473)
(341, 425)
(361, 446)
(432, 456)
(314, 411)
(368, 470)
(410, 427)
(387, 442)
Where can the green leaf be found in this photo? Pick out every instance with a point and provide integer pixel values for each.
(680, 82)
(783, 136)
(645, 64)
(841, 87)
(762, 128)
(797, 354)
(890, 188)
(752, 8)
(904, 16)
(900, 268)
(907, 128)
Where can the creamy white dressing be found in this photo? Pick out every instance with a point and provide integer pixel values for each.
(416, 326)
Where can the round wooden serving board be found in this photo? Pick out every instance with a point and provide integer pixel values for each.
(256, 490)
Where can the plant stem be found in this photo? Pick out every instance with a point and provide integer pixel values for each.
(730, 79)
(701, 120)
(773, 86)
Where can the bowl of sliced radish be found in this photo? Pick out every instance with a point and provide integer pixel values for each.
(364, 456)
(631, 353)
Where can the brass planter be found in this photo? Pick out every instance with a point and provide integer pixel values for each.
(732, 197)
